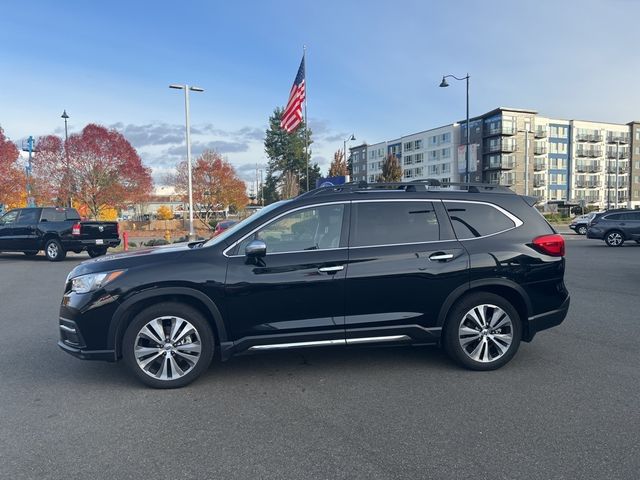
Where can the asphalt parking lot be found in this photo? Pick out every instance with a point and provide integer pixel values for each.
(566, 407)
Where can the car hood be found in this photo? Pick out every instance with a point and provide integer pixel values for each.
(130, 259)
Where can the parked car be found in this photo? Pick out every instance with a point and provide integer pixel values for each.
(56, 231)
(615, 227)
(476, 270)
(580, 223)
(222, 226)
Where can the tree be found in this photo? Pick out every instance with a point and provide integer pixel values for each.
(97, 167)
(270, 189)
(164, 213)
(338, 166)
(12, 177)
(216, 186)
(286, 152)
(391, 170)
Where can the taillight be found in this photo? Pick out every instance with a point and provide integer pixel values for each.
(76, 229)
(552, 245)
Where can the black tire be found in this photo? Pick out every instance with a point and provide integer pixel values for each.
(614, 238)
(54, 251)
(458, 317)
(581, 230)
(637, 241)
(203, 332)
(31, 253)
(97, 252)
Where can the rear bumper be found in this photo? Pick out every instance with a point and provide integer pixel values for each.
(85, 244)
(547, 319)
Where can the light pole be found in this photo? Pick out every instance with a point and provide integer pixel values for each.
(526, 159)
(30, 148)
(186, 89)
(66, 156)
(350, 138)
(444, 84)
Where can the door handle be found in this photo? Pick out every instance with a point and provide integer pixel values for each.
(440, 257)
(335, 269)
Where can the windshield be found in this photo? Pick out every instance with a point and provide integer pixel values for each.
(250, 219)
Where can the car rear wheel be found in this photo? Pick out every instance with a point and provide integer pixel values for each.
(582, 230)
(168, 345)
(97, 252)
(614, 239)
(54, 251)
(483, 331)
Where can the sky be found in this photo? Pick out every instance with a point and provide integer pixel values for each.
(373, 68)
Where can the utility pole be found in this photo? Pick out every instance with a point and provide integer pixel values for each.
(261, 190)
(66, 155)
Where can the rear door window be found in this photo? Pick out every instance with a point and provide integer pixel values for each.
(614, 216)
(53, 215)
(29, 216)
(391, 223)
(473, 220)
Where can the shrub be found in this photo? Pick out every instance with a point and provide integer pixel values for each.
(154, 242)
(133, 244)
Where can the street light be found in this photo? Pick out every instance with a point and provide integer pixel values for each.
(186, 89)
(350, 138)
(66, 155)
(444, 84)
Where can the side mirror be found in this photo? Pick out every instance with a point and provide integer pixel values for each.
(256, 249)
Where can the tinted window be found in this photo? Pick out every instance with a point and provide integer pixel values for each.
(388, 223)
(472, 220)
(72, 214)
(10, 217)
(53, 215)
(29, 216)
(634, 216)
(315, 228)
(614, 216)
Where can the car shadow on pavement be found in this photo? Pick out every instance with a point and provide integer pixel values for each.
(40, 258)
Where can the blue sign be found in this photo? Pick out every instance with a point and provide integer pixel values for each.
(332, 181)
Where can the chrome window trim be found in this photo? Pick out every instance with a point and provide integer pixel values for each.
(517, 222)
(233, 245)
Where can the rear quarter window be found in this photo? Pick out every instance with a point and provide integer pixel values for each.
(474, 220)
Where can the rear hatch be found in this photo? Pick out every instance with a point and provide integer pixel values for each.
(97, 230)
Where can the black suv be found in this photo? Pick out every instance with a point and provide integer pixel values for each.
(615, 226)
(476, 270)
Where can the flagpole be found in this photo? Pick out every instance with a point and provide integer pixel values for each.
(306, 125)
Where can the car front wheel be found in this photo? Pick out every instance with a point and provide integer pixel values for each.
(582, 230)
(168, 345)
(614, 239)
(483, 331)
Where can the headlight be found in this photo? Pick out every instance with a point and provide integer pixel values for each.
(93, 281)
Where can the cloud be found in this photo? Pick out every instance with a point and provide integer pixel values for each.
(197, 148)
(151, 134)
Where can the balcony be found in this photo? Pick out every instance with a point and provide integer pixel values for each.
(538, 166)
(618, 137)
(590, 167)
(589, 137)
(540, 133)
(594, 153)
(621, 169)
(539, 182)
(588, 184)
(500, 147)
(540, 150)
(504, 164)
(504, 130)
(622, 155)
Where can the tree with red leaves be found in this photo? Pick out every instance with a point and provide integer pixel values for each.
(216, 185)
(12, 177)
(98, 168)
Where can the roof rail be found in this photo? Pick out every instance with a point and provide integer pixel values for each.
(413, 186)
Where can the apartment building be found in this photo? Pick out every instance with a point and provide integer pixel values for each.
(358, 161)
(556, 160)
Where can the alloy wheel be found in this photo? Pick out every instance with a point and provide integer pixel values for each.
(52, 250)
(167, 348)
(485, 333)
(614, 239)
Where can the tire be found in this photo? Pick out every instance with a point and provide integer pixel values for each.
(581, 230)
(54, 251)
(637, 241)
(479, 348)
(614, 238)
(97, 252)
(159, 364)
(31, 253)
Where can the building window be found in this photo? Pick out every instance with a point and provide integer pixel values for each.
(408, 146)
(446, 152)
(418, 144)
(419, 157)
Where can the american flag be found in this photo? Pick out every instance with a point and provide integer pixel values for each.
(292, 115)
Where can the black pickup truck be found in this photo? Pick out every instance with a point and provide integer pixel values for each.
(56, 231)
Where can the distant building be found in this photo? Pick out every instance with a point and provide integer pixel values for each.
(358, 160)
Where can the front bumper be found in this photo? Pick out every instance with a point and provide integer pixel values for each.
(72, 342)
(547, 320)
(104, 355)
